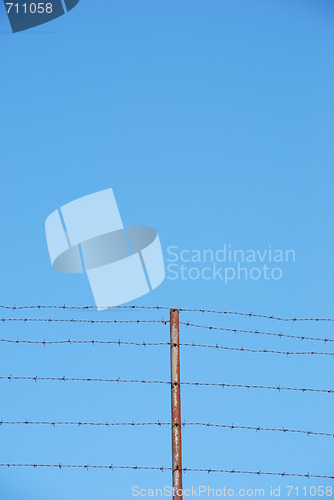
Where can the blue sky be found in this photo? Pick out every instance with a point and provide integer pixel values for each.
(213, 123)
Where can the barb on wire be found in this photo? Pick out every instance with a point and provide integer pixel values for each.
(80, 423)
(166, 308)
(78, 320)
(163, 382)
(255, 332)
(156, 344)
(162, 469)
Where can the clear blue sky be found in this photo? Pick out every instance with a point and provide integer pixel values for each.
(213, 123)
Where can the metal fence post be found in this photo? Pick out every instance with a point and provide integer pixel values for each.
(176, 404)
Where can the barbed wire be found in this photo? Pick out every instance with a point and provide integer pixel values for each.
(255, 332)
(166, 308)
(257, 351)
(186, 383)
(157, 344)
(79, 320)
(85, 341)
(253, 315)
(162, 469)
(80, 423)
(165, 322)
(80, 308)
(163, 382)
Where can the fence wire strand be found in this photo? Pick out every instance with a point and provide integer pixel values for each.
(79, 320)
(255, 332)
(158, 344)
(162, 469)
(80, 423)
(165, 322)
(163, 382)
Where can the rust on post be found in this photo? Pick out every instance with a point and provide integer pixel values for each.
(176, 404)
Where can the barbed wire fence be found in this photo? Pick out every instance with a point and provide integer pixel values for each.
(175, 423)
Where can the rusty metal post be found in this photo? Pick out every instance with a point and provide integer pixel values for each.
(176, 404)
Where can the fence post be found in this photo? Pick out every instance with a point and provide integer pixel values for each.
(176, 404)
